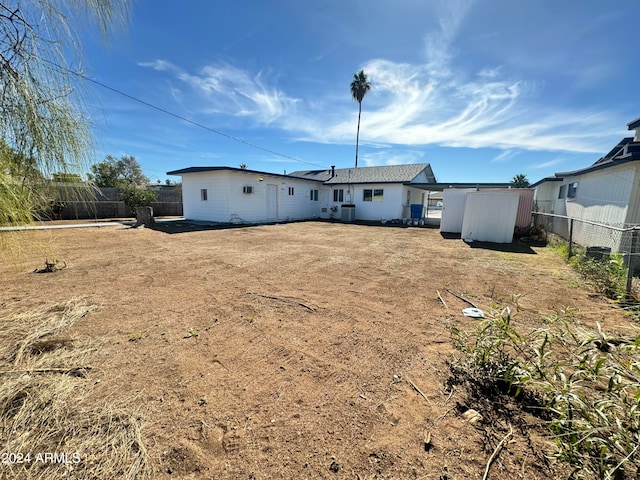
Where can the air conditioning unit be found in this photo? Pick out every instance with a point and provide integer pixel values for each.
(247, 189)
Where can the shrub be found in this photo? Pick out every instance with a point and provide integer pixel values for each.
(138, 197)
(607, 275)
(587, 384)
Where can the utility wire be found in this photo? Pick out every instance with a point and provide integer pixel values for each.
(175, 115)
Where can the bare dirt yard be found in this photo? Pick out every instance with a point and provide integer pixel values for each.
(301, 350)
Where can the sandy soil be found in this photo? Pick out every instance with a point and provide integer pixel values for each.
(297, 351)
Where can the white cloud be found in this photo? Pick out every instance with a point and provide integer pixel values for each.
(392, 157)
(505, 156)
(435, 102)
(225, 89)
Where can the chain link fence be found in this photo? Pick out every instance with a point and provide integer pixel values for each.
(599, 240)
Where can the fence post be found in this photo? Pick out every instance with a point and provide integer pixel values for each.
(631, 260)
(570, 236)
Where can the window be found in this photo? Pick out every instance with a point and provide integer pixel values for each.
(314, 195)
(203, 194)
(373, 195)
(247, 189)
(563, 192)
(338, 195)
(572, 188)
(290, 190)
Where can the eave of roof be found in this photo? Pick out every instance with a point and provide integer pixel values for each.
(633, 124)
(440, 186)
(619, 160)
(546, 179)
(188, 170)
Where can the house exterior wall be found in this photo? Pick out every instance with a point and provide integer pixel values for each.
(216, 208)
(226, 200)
(609, 196)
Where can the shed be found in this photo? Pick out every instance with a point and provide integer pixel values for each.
(453, 204)
(490, 216)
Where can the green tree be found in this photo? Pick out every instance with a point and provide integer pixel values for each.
(113, 173)
(42, 114)
(359, 88)
(520, 181)
(244, 166)
(138, 197)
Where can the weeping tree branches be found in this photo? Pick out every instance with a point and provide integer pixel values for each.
(42, 114)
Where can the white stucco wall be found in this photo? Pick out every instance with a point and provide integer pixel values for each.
(226, 200)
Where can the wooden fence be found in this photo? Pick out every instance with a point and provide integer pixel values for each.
(106, 203)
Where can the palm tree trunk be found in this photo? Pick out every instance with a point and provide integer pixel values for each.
(358, 133)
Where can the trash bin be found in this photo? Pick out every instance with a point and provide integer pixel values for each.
(598, 253)
(416, 210)
(348, 213)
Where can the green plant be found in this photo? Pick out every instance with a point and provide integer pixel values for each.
(607, 275)
(586, 382)
(192, 333)
(138, 197)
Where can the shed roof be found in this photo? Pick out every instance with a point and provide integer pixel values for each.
(382, 174)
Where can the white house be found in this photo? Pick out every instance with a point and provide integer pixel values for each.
(227, 194)
(606, 192)
(376, 193)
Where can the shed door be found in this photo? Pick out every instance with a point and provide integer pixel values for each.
(272, 202)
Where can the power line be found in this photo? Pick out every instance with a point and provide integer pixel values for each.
(180, 117)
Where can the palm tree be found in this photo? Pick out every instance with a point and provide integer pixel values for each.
(520, 181)
(359, 88)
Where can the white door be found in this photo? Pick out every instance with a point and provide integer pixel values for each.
(272, 202)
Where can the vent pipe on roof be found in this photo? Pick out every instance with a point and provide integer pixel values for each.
(333, 171)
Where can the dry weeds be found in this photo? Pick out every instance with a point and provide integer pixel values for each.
(48, 428)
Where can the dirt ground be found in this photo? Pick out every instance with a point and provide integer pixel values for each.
(303, 350)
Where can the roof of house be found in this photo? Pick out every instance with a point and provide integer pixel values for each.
(627, 150)
(383, 174)
(184, 171)
(633, 124)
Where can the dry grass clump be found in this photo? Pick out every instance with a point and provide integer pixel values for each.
(48, 427)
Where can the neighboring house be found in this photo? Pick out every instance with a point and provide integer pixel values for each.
(606, 192)
(227, 194)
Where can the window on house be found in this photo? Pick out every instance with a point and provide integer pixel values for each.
(563, 192)
(338, 195)
(370, 195)
(290, 190)
(572, 188)
(203, 194)
(314, 195)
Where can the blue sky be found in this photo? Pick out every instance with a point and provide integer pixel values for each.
(482, 90)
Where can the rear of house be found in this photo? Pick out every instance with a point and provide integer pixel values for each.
(230, 195)
(226, 194)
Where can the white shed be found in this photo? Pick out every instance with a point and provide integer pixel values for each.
(490, 216)
(453, 203)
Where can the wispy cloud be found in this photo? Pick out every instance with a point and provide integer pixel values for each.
(226, 89)
(392, 157)
(506, 156)
(435, 102)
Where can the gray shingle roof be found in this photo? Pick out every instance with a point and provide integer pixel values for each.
(384, 174)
